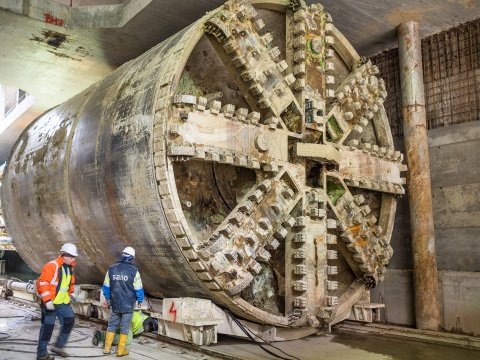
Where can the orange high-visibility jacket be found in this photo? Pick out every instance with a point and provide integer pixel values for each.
(49, 278)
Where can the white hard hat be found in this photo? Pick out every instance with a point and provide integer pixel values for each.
(129, 251)
(69, 248)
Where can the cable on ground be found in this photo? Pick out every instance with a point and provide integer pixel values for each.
(70, 356)
(246, 331)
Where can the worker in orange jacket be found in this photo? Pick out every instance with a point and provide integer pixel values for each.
(55, 288)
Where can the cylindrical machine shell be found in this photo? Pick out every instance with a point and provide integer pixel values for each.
(106, 170)
(84, 172)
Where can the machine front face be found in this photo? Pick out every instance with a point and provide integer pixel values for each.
(247, 159)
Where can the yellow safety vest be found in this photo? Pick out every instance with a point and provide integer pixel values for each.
(137, 322)
(62, 296)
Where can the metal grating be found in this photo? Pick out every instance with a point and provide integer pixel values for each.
(451, 71)
(388, 65)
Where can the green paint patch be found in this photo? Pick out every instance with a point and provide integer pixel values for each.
(291, 119)
(334, 132)
(187, 86)
(335, 190)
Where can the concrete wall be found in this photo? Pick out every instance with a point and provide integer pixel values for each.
(455, 173)
(80, 14)
(459, 300)
(460, 294)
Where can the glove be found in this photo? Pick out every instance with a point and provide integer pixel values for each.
(49, 306)
(106, 304)
(73, 298)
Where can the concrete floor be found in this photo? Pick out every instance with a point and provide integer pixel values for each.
(19, 328)
(350, 347)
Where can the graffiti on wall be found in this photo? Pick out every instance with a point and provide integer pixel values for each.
(51, 19)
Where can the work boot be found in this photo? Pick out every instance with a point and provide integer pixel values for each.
(121, 351)
(108, 341)
(46, 357)
(58, 351)
(98, 337)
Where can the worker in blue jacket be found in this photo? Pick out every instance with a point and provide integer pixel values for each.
(122, 288)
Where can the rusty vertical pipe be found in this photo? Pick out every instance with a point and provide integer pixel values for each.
(425, 278)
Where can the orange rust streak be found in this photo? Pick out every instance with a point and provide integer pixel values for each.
(355, 229)
(361, 242)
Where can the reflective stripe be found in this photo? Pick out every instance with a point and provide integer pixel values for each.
(143, 319)
(106, 282)
(54, 280)
(137, 282)
(44, 283)
(46, 293)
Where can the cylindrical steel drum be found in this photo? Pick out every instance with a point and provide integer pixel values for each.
(250, 167)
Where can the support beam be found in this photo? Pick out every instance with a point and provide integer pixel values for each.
(427, 312)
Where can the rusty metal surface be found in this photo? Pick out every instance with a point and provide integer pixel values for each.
(270, 188)
(427, 311)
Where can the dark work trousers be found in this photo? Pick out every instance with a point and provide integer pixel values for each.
(119, 320)
(66, 318)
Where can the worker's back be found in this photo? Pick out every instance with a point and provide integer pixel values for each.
(122, 275)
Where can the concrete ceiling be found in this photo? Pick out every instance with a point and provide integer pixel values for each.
(54, 62)
(370, 24)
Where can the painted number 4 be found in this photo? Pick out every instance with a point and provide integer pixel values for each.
(173, 311)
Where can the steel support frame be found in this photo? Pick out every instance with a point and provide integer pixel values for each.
(425, 278)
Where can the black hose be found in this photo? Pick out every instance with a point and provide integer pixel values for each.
(34, 343)
(11, 339)
(246, 331)
(270, 344)
(70, 356)
(7, 335)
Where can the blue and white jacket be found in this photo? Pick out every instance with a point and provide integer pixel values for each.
(123, 286)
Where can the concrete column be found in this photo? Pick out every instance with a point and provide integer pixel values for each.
(425, 278)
